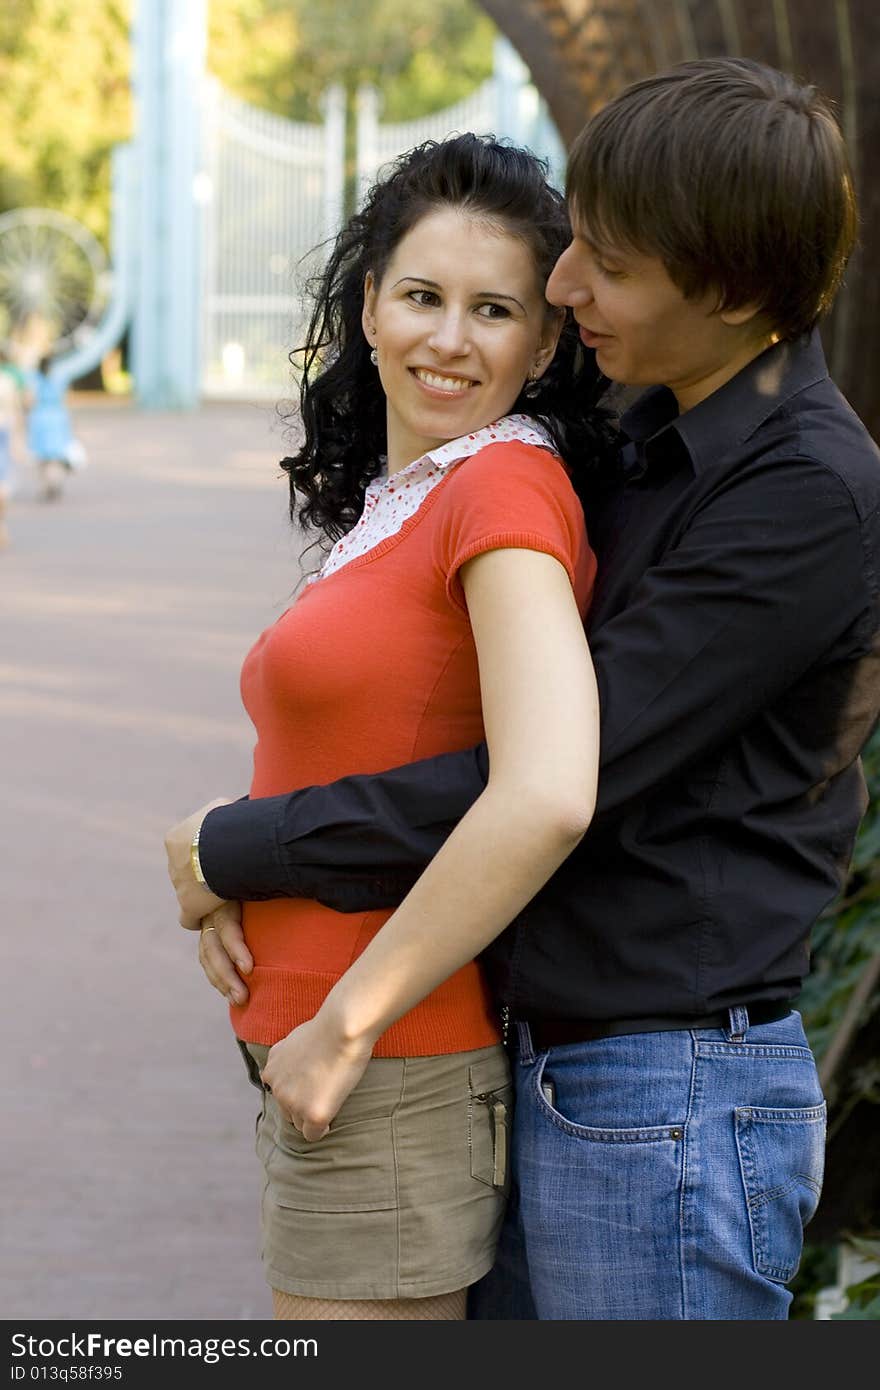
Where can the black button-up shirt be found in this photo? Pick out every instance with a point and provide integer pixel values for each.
(734, 631)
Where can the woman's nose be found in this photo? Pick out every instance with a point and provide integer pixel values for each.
(449, 336)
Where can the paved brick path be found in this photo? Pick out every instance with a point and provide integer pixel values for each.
(129, 1186)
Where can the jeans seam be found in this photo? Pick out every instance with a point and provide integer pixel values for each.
(685, 1165)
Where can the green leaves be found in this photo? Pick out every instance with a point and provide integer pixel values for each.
(283, 54)
(64, 102)
(65, 67)
(846, 941)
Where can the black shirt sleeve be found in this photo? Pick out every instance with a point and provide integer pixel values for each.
(355, 844)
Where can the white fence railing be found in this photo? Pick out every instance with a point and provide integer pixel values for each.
(507, 106)
(378, 143)
(272, 192)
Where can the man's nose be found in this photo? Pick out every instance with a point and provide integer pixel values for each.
(568, 283)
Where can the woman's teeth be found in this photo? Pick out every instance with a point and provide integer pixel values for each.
(443, 383)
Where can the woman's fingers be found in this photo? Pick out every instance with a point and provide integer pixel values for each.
(217, 962)
(227, 920)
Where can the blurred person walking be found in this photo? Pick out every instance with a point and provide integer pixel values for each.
(50, 434)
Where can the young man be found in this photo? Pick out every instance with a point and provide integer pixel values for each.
(669, 1128)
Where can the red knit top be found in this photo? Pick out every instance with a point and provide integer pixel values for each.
(374, 666)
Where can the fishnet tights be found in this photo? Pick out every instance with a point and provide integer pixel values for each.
(445, 1307)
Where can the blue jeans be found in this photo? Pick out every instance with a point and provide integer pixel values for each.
(669, 1178)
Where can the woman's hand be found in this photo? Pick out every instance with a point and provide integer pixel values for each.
(313, 1070)
(223, 955)
(194, 899)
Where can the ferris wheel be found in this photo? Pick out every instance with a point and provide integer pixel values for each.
(55, 282)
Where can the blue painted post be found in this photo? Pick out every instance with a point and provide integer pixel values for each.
(169, 53)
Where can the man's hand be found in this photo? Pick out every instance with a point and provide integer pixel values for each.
(312, 1071)
(194, 899)
(223, 955)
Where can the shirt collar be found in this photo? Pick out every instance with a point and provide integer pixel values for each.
(732, 413)
(519, 427)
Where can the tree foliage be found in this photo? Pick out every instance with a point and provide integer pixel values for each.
(845, 943)
(64, 103)
(283, 54)
(65, 67)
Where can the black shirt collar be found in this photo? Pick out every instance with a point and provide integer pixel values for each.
(732, 413)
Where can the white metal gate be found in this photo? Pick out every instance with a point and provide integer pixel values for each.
(271, 192)
(507, 105)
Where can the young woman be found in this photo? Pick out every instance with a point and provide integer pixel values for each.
(448, 430)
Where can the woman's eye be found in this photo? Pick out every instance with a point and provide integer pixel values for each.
(494, 311)
(425, 299)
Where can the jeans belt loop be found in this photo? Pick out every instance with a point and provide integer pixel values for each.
(524, 1041)
(739, 1023)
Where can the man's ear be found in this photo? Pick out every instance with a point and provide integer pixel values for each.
(741, 315)
(368, 315)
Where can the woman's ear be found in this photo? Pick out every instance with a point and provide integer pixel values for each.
(554, 321)
(368, 316)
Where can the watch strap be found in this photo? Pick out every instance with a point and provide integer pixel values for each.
(195, 861)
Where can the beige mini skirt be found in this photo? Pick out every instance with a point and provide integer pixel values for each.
(404, 1197)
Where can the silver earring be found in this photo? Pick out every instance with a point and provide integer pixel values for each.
(374, 358)
(531, 387)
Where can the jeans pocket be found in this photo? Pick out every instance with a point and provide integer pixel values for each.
(782, 1158)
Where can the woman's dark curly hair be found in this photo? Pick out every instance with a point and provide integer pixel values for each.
(342, 404)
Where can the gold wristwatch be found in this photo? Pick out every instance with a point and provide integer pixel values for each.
(195, 861)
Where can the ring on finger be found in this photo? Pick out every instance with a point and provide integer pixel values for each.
(205, 930)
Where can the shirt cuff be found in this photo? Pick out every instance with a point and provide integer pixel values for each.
(238, 852)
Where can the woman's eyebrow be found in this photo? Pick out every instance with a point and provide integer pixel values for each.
(477, 294)
(419, 278)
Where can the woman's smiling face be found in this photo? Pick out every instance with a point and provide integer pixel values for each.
(459, 321)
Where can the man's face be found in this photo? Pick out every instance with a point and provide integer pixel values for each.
(643, 330)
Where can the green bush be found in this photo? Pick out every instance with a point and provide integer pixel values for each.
(846, 965)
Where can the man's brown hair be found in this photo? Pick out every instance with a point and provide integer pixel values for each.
(731, 172)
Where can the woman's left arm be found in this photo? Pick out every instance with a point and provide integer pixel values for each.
(541, 715)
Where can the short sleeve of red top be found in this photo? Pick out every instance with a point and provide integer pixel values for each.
(513, 495)
(375, 666)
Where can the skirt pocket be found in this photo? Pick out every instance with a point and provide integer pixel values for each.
(490, 1112)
